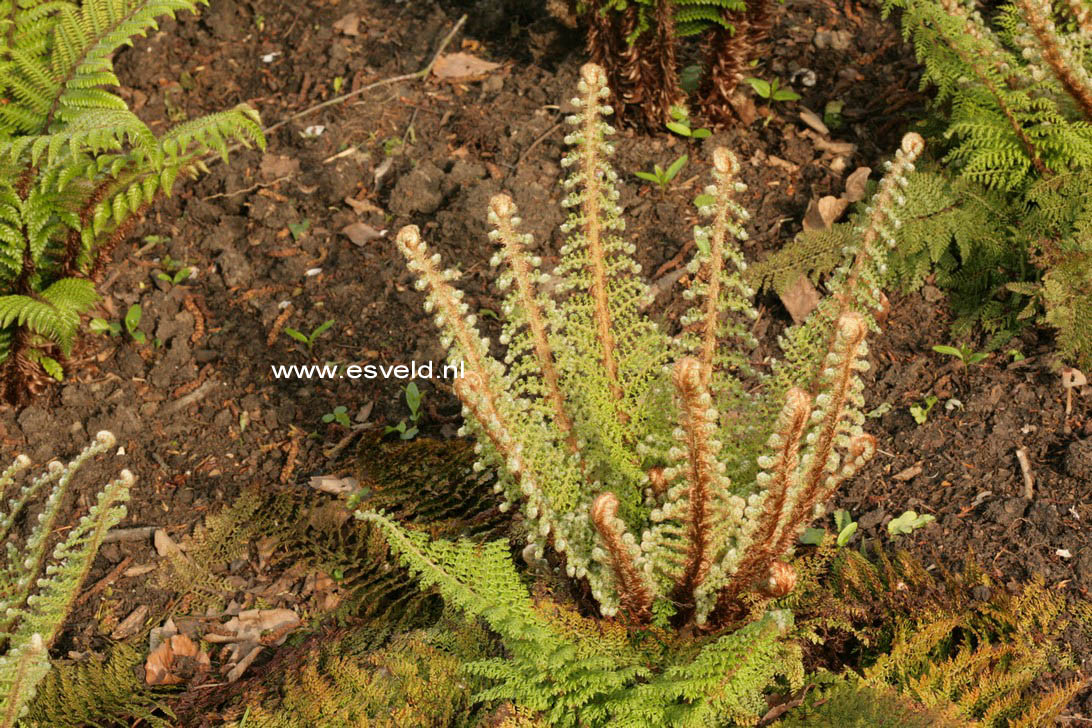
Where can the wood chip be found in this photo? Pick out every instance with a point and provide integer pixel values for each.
(131, 624)
(165, 545)
(348, 25)
(812, 119)
(334, 485)
(824, 212)
(361, 233)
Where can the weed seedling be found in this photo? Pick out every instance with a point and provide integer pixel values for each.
(772, 91)
(965, 354)
(309, 339)
(175, 271)
(413, 401)
(680, 124)
(132, 321)
(662, 177)
(920, 412)
(299, 229)
(908, 522)
(340, 415)
(844, 525)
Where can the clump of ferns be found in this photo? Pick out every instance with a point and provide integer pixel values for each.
(664, 472)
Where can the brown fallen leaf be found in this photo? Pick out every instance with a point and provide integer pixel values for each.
(175, 661)
(462, 67)
(800, 299)
(236, 669)
(362, 206)
(361, 233)
(275, 166)
(824, 212)
(348, 25)
(165, 545)
(911, 472)
(856, 184)
(334, 485)
(250, 625)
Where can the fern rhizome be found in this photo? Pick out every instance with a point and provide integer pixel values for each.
(665, 476)
(76, 166)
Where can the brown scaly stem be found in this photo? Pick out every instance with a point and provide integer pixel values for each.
(791, 425)
(727, 55)
(727, 167)
(852, 330)
(593, 230)
(503, 207)
(1039, 21)
(701, 472)
(633, 593)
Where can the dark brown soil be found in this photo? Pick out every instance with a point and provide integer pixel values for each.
(200, 414)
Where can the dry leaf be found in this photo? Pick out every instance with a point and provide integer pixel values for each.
(131, 624)
(461, 67)
(911, 472)
(251, 624)
(165, 545)
(334, 485)
(275, 166)
(800, 298)
(856, 184)
(348, 25)
(744, 106)
(361, 233)
(362, 206)
(175, 661)
(824, 212)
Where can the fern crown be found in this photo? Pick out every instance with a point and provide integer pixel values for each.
(665, 471)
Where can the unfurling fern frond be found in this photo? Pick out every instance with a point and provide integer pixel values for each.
(33, 606)
(665, 476)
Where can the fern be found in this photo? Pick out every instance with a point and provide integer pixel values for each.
(608, 435)
(76, 165)
(1017, 99)
(33, 609)
(693, 17)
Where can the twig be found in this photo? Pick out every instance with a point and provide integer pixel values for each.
(536, 142)
(105, 581)
(1025, 468)
(423, 73)
(129, 534)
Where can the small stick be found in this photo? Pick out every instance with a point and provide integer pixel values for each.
(129, 534)
(1025, 468)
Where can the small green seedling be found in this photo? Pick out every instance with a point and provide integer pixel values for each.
(340, 415)
(338, 82)
(843, 524)
(965, 354)
(846, 526)
(680, 124)
(413, 401)
(131, 321)
(908, 522)
(104, 327)
(920, 412)
(175, 271)
(832, 115)
(1015, 354)
(299, 229)
(662, 177)
(772, 91)
(391, 145)
(309, 339)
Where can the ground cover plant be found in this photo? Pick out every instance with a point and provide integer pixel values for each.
(76, 167)
(303, 234)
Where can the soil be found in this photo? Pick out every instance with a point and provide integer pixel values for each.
(201, 417)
